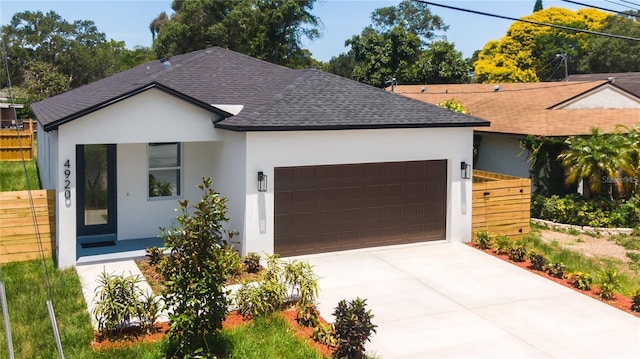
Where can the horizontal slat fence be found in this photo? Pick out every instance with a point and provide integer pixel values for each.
(501, 204)
(12, 141)
(18, 240)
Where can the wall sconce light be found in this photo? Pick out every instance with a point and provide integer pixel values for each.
(465, 170)
(262, 182)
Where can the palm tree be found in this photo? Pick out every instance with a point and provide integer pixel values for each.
(597, 159)
(630, 152)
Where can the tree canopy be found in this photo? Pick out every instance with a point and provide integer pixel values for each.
(270, 30)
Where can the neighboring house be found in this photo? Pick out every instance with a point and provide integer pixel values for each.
(309, 161)
(628, 81)
(7, 113)
(552, 109)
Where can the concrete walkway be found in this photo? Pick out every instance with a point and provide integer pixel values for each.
(448, 300)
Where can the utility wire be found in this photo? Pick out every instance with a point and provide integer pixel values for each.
(568, 28)
(630, 2)
(601, 8)
(623, 5)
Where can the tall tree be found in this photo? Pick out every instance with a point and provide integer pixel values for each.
(605, 54)
(157, 23)
(528, 52)
(441, 63)
(271, 30)
(538, 6)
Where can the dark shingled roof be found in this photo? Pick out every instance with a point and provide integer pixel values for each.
(628, 81)
(275, 98)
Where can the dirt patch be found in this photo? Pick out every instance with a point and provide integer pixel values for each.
(589, 246)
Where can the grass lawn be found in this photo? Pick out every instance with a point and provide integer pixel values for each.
(12, 176)
(33, 335)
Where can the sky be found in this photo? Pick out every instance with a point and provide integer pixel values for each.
(128, 21)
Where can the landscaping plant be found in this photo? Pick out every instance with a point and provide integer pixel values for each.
(252, 262)
(502, 244)
(483, 241)
(324, 334)
(308, 315)
(264, 297)
(635, 301)
(517, 253)
(538, 261)
(353, 328)
(609, 282)
(154, 254)
(556, 270)
(196, 271)
(580, 280)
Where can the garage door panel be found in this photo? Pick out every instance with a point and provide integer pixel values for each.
(336, 207)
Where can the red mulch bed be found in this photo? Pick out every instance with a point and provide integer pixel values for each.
(133, 336)
(619, 301)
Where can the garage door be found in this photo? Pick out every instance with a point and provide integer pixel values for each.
(338, 207)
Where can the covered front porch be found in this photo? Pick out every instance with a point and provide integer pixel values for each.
(107, 248)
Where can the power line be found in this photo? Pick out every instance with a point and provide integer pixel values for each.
(568, 28)
(600, 8)
(630, 2)
(623, 5)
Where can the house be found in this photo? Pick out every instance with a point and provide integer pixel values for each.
(628, 81)
(551, 109)
(309, 162)
(7, 112)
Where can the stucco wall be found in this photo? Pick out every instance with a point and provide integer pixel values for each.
(267, 150)
(152, 116)
(47, 148)
(604, 97)
(502, 154)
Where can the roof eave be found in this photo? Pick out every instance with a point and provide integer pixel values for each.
(239, 128)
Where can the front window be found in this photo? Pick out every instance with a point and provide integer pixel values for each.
(164, 169)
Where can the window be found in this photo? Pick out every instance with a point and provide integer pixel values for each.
(164, 169)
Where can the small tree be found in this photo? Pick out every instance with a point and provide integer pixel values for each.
(195, 271)
(353, 328)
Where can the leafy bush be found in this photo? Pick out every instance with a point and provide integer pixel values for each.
(538, 261)
(517, 253)
(261, 298)
(483, 241)
(580, 280)
(120, 301)
(324, 334)
(308, 315)
(635, 301)
(609, 282)
(556, 270)
(233, 262)
(196, 271)
(502, 244)
(353, 328)
(594, 212)
(154, 254)
(298, 276)
(252, 262)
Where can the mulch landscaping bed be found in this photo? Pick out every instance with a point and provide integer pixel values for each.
(619, 301)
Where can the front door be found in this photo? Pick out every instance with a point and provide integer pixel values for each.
(96, 189)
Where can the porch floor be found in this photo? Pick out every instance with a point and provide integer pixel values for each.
(123, 249)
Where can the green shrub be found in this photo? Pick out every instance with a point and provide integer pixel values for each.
(261, 298)
(148, 312)
(196, 271)
(580, 280)
(252, 262)
(502, 244)
(538, 261)
(298, 276)
(154, 255)
(353, 328)
(609, 283)
(483, 241)
(556, 270)
(308, 315)
(635, 301)
(594, 212)
(517, 253)
(232, 262)
(324, 334)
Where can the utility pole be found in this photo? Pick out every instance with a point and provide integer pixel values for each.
(566, 65)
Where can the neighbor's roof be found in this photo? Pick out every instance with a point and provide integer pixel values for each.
(628, 81)
(274, 97)
(525, 108)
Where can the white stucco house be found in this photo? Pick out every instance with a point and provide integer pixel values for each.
(310, 162)
(550, 109)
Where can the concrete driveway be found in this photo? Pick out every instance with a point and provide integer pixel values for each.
(448, 300)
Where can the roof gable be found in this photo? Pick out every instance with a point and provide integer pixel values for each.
(605, 96)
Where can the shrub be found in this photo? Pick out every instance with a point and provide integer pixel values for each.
(324, 334)
(252, 262)
(118, 303)
(298, 276)
(196, 271)
(580, 280)
(261, 298)
(308, 315)
(232, 262)
(518, 253)
(483, 241)
(502, 244)
(609, 282)
(154, 254)
(353, 328)
(635, 301)
(594, 212)
(556, 270)
(538, 261)
(148, 312)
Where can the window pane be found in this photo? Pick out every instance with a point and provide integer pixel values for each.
(164, 183)
(164, 155)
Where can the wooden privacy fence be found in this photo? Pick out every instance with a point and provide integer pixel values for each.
(11, 141)
(18, 240)
(501, 204)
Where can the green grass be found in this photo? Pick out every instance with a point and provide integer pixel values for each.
(576, 262)
(12, 176)
(628, 242)
(33, 334)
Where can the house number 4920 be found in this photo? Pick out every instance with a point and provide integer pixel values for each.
(67, 181)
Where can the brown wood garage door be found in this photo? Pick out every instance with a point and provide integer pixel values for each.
(337, 207)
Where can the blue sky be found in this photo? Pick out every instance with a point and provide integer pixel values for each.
(129, 20)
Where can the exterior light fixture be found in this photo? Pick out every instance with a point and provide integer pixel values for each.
(262, 182)
(465, 170)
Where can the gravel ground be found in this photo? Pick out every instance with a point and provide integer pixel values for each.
(587, 245)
